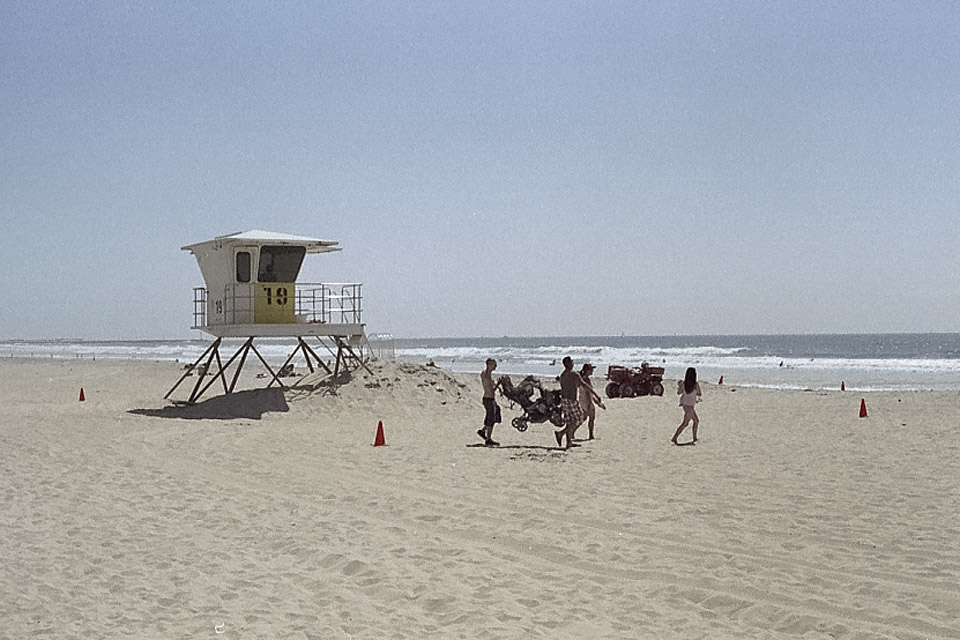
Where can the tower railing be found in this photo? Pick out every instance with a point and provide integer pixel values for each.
(199, 307)
(335, 302)
(314, 303)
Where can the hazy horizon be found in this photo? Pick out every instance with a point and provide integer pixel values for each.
(200, 336)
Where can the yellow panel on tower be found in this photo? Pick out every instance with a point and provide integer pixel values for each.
(273, 303)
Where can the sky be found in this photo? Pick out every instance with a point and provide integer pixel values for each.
(489, 168)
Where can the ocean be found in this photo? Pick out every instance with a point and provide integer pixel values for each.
(867, 362)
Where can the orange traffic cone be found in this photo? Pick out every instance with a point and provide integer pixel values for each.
(843, 387)
(82, 398)
(721, 380)
(863, 408)
(379, 441)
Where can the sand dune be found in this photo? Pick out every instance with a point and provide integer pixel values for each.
(270, 515)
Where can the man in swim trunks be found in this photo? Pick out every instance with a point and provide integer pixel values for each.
(492, 410)
(573, 414)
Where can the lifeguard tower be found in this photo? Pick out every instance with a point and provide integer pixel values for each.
(252, 292)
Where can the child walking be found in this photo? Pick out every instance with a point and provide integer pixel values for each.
(689, 391)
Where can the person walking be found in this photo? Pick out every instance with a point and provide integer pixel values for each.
(588, 398)
(689, 391)
(573, 415)
(490, 406)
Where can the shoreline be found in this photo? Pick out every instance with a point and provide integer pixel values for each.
(863, 362)
(730, 374)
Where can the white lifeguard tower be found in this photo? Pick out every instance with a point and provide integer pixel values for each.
(252, 291)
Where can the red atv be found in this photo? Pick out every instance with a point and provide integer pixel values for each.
(627, 382)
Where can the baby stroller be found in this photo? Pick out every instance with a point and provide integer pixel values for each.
(546, 407)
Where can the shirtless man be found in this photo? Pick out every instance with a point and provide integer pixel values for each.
(573, 415)
(492, 410)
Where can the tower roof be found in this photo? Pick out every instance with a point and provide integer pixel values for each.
(260, 237)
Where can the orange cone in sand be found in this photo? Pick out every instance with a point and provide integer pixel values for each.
(82, 398)
(379, 441)
(863, 408)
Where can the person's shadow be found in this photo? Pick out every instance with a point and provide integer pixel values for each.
(474, 445)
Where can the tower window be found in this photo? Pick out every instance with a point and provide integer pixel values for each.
(243, 266)
(280, 263)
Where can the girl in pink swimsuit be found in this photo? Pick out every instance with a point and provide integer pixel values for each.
(689, 391)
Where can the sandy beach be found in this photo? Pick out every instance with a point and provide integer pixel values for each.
(269, 514)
